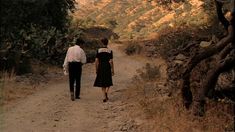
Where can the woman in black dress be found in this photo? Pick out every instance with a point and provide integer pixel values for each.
(104, 69)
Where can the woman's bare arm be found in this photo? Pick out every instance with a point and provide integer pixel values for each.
(96, 64)
(112, 66)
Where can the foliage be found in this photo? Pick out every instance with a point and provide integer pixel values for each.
(133, 49)
(110, 23)
(84, 23)
(150, 72)
(171, 40)
(20, 14)
(91, 47)
(166, 2)
(32, 28)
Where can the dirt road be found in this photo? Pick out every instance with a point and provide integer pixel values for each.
(51, 110)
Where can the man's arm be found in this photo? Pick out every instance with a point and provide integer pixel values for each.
(83, 57)
(65, 65)
(66, 60)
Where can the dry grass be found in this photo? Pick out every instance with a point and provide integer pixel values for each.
(172, 116)
(165, 113)
(13, 87)
(168, 114)
(12, 90)
(132, 49)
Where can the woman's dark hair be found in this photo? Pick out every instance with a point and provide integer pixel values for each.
(105, 41)
(79, 41)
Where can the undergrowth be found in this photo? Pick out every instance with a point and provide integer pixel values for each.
(166, 113)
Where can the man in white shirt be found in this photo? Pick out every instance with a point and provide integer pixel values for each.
(73, 61)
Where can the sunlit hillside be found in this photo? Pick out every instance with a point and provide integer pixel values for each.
(145, 18)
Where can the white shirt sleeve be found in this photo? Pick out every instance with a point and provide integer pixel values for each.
(65, 65)
(83, 57)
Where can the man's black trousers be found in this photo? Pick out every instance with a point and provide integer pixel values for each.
(75, 72)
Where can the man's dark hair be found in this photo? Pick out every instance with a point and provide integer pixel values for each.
(105, 41)
(79, 41)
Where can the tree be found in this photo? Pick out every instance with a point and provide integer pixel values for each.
(26, 23)
(225, 62)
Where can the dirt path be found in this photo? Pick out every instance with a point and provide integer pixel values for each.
(52, 110)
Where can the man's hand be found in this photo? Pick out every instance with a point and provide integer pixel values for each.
(65, 71)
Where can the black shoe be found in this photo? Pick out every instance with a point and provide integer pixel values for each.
(72, 96)
(106, 96)
(104, 100)
(78, 98)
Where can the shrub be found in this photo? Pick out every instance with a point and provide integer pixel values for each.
(133, 49)
(32, 28)
(149, 72)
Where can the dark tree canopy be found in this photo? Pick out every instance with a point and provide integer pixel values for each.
(32, 28)
(21, 14)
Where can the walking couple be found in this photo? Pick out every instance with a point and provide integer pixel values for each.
(74, 60)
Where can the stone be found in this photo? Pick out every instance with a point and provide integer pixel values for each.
(180, 57)
(178, 62)
(205, 44)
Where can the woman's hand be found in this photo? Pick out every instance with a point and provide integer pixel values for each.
(112, 73)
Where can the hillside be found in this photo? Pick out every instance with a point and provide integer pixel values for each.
(146, 18)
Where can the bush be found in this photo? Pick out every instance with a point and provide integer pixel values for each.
(149, 72)
(32, 28)
(133, 49)
(90, 49)
(91, 55)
